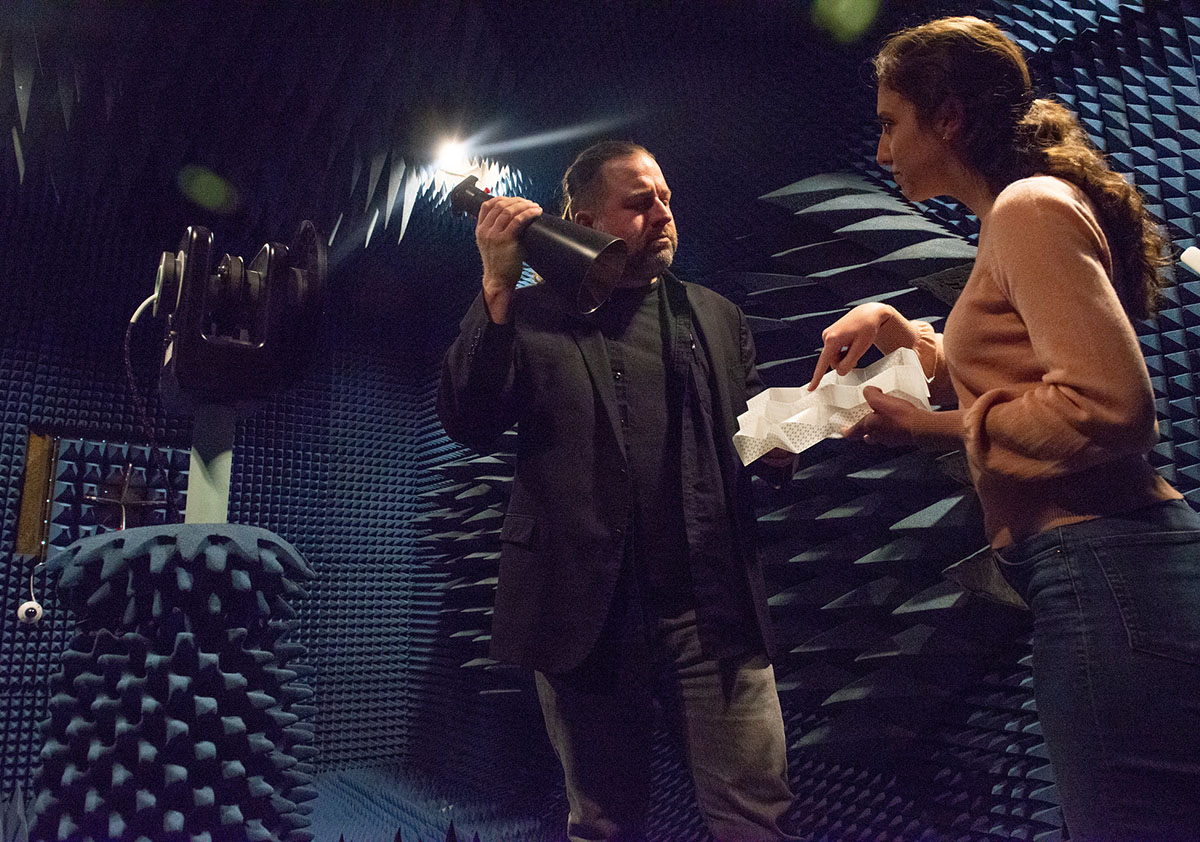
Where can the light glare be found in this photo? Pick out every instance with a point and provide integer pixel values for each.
(452, 157)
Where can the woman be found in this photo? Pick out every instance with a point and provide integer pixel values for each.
(1056, 415)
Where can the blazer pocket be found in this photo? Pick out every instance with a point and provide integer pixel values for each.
(520, 530)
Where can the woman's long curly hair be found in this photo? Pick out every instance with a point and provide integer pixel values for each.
(1006, 134)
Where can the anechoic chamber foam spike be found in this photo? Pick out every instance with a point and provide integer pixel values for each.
(170, 721)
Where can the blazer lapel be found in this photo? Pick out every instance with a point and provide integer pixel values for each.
(595, 357)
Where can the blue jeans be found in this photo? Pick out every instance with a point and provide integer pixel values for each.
(1116, 667)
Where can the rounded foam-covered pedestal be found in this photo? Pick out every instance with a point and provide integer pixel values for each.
(178, 714)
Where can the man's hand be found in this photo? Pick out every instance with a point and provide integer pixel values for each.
(777, 458)
(890, 423)
(500, 224)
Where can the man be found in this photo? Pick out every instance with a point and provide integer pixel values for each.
(627, 567)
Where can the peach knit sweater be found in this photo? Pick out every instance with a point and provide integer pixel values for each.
(1055, 408)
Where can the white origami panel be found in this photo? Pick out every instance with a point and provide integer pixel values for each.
(795, 418)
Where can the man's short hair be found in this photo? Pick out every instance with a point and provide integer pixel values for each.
(581, 180)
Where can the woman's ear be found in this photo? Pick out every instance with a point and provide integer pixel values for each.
(584, 218)
(948, 123)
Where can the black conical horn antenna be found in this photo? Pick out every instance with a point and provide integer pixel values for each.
(582, 263)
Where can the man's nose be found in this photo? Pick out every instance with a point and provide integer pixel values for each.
(661, 212)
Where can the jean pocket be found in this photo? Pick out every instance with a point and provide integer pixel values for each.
(1027, 561)
(1155, 580)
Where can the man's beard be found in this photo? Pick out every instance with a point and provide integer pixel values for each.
(648, 263)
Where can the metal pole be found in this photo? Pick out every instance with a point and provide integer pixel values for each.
(209, 469)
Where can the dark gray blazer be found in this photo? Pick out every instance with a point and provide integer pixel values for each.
(547, 370)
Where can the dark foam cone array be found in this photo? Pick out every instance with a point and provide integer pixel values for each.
(180, 712)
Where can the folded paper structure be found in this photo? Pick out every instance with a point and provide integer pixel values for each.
(795, 418)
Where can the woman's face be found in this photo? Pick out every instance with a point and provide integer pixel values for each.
(919, 156)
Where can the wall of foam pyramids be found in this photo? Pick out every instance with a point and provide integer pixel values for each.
(89, 476)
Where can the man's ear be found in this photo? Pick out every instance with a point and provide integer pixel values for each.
(585, 218)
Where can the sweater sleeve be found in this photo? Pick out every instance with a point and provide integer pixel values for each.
(1093, 401)
(897, 332)
(940, 429)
